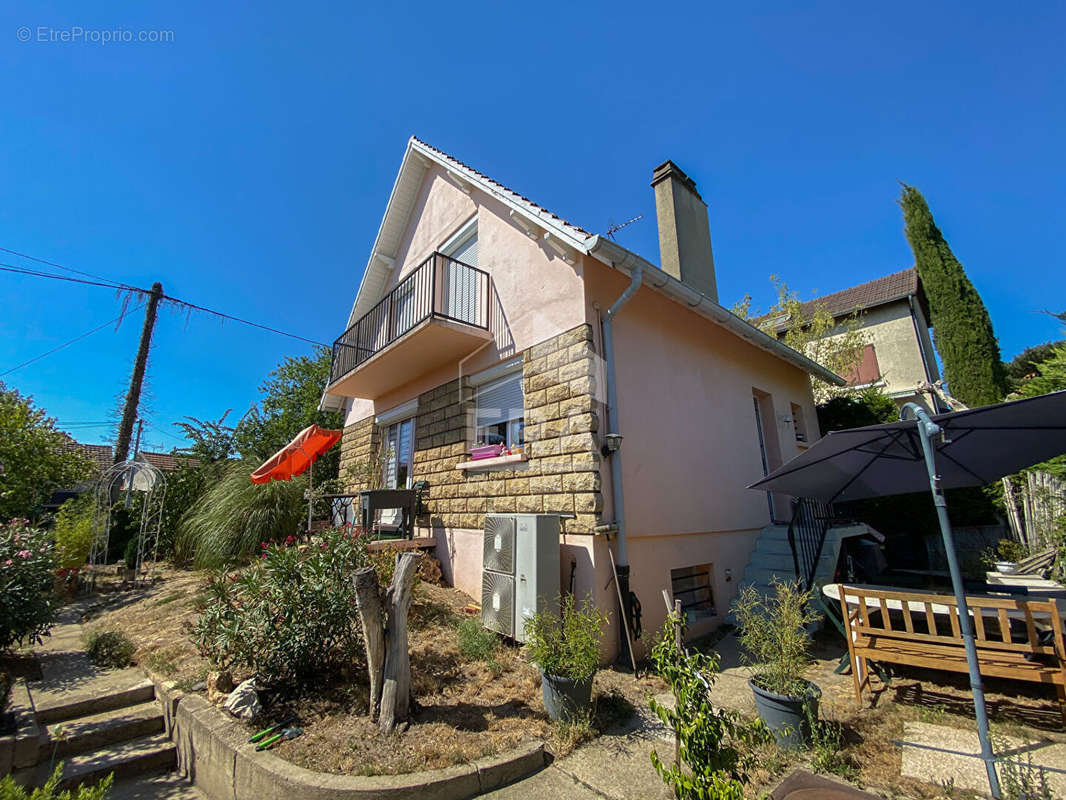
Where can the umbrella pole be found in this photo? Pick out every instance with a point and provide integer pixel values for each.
(926, 429)
(310, 493)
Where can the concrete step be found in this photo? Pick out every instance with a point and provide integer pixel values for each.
(82, 734)
(159, 786)
(773, 561)
(772, 546)
(71, 706)
(146, 754)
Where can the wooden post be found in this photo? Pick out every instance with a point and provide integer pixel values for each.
(372, 615)
(396, 688)
(140, 364)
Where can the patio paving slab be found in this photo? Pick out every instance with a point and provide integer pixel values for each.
(951, 757)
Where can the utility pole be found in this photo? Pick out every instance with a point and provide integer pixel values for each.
(133, 396)
(132, 470)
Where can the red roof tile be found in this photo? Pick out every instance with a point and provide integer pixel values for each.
(873, 293)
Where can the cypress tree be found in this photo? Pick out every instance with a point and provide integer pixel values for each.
(962, 329)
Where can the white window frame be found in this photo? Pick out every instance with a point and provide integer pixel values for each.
(514, 437)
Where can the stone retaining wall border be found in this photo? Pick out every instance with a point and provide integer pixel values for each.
(214, 754)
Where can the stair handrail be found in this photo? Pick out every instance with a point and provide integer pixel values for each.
(806, 536)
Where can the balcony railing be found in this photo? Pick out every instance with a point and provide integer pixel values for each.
(439, 288)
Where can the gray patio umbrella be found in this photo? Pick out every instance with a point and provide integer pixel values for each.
(945, 451)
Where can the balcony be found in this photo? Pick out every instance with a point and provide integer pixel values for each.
(436, 315)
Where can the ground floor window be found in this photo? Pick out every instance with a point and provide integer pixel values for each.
(692, 586)
(500, 415)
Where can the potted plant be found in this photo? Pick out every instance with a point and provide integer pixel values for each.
(566, 647)
(776, 642)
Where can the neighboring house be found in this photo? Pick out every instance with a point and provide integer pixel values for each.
(894, 318)
(480, 319)
(102, 457)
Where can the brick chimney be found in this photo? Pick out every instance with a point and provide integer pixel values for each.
(684, 232)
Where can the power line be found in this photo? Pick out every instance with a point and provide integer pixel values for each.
(166, 298)
(51, 264)
(69, 343)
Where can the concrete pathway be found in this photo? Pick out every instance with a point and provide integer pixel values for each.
(951, 757)
(68, 676)
(615, 766)
(67, 672)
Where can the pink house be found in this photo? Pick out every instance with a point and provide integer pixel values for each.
(618, 393)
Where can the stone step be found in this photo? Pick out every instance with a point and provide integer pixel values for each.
(772, 561)
(146, 754)
(158, 786)
(772, 546)
(72, 706)
(100, 730)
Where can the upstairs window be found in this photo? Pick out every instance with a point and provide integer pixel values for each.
(866, 372)
(500, 416)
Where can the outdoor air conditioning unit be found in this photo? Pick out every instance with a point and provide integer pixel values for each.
(520, 570)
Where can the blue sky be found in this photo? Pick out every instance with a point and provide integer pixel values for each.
(246, 163)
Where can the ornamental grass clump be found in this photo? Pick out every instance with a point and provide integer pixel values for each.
(774, 636)
(27, 575)
(227, 523)
(290, 618)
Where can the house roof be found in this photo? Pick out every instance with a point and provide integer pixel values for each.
(559, 234)
(99, 454)
(102, 455)
(167, 462)
(878, 292)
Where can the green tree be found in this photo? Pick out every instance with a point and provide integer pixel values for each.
(812, 330)
(289, 403)
(962, 328)
(1024, 365)
(35, 456)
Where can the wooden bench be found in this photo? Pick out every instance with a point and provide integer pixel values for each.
(1015, 637)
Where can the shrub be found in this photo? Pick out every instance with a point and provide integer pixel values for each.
(9, 790)
(716, 744)
(476, 643)
(774, 636)
(73, 531)
(567, 645)
(110, 649)
(231, 518)
(291, 616)
(27, 568)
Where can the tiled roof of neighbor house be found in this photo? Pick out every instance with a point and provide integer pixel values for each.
(167, 462)
(873, 293)
(99, 454)
(102, 456)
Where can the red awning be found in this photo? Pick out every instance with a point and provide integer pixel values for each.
(295, 457)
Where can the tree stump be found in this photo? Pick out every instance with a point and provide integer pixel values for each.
(384, 620)
(372, 615)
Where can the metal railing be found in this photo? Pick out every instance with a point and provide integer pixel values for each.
(440, 288)
(806, 536)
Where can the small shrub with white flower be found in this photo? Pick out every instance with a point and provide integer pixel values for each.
(27, 573)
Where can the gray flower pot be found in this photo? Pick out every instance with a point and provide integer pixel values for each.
(787, 717)
(565, 698)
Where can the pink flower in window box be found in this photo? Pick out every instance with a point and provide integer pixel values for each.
(486, 451)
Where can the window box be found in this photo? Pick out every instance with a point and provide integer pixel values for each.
(487, 451)
(493, 463)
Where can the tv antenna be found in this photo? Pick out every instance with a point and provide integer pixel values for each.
(613, 228)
